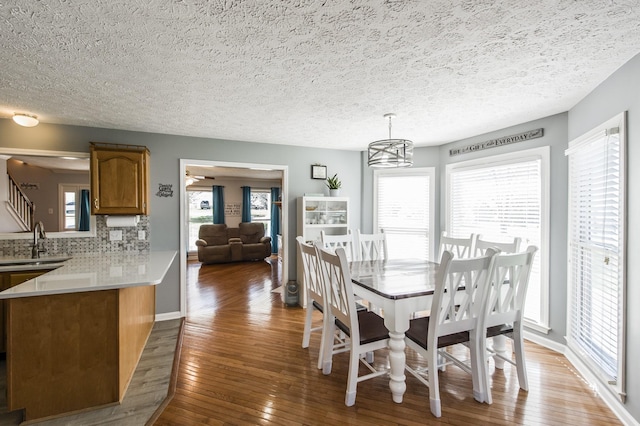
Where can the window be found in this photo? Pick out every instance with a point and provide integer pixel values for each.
(596, 255)
(403, 201)
(198, 211)
(261, 208)
(69, 211)
(503, 197)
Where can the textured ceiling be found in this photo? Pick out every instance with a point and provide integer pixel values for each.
(308, 72)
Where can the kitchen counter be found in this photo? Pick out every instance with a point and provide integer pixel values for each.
(89, 272)
(74, 335)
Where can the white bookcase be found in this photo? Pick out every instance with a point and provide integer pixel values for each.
(315, 214)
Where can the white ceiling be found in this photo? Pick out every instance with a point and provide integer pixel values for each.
(309, 72)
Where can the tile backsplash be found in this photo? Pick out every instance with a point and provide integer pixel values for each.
(98, 244)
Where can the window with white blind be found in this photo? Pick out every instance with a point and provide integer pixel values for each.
(500, 198)
(596, 251)
(403, 207)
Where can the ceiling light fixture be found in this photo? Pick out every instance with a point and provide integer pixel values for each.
(391, 152)
(25, 120)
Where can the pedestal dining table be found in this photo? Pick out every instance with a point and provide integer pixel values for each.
(400, 287)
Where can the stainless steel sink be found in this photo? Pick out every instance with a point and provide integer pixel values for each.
(33, 262)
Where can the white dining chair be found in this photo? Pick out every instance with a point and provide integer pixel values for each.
(365, 329)
(462, 286)
(461, 248)
(315, 295)
(481, 245)
(372, 246)
(346, 241)
(504, 312)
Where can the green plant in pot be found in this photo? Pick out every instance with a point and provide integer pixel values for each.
(334, 184)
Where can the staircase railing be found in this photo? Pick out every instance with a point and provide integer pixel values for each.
(23, 208)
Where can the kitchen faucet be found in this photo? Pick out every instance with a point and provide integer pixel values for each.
(38, 231)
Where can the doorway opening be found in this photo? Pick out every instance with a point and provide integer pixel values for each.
(196, 204)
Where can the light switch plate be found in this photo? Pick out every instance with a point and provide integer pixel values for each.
(115, 235)
(142, 235)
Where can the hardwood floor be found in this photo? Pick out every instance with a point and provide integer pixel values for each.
(242, 363)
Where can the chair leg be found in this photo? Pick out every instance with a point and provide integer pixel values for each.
(477, 367)
(518, 346)
(434, 389)
(326, 329)
(352, 380)
(483, 368)
(327, 337)
(307, 325)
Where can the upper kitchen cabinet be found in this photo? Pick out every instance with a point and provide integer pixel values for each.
(119, 179)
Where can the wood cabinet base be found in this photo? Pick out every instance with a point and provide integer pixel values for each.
(69, 352)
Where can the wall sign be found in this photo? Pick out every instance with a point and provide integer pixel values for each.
(520, 137)
(165, 190)
(27, 185)
(232, 209)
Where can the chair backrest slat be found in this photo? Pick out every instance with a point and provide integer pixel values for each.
(341, 303)
(482, 245)
(505, 303)
(345, 241)
(311, 272)
(372, 246)
(461, 248)
(462, 286)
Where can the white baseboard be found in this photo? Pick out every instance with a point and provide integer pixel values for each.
(612, 402)
(607, 396)
(543, 341)
(168, 316)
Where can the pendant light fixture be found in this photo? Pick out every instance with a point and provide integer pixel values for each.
(390, 152)
(25, 120)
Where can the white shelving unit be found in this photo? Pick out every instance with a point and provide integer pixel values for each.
(315, 214)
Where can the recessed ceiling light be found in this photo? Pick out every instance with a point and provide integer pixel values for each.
(25, 120)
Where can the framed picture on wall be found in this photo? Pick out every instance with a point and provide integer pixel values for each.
(318, 172)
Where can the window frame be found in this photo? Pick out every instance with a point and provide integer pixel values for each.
(617, 386)
(539, 153)
(430, 172)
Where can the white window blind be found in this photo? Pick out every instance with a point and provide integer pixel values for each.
(596, 253)
(501, 200)
(403, 210)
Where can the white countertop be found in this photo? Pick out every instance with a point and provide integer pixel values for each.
(90, 272)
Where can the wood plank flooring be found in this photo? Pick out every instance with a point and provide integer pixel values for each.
(242, 363)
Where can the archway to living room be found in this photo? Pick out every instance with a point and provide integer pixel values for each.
(196, 205)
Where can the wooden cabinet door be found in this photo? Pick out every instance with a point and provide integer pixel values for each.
(119, 181)
(8, 280)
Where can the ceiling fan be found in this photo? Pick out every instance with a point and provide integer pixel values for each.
(190, 179)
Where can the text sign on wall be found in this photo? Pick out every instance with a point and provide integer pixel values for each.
(232, 209)
(520, 137)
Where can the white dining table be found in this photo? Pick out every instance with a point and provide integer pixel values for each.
(400, 287)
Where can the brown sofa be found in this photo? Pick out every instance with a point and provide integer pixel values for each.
(219, 244)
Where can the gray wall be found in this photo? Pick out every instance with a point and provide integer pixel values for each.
(621, 92)
(167, 150)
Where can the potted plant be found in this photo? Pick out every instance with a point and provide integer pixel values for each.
(334, 184)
